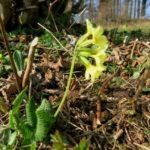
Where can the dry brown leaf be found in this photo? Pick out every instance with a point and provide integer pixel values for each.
(116, 53)
(57, 65)
(48, 75)
(3, 106)
(23, 38)
(8, 90)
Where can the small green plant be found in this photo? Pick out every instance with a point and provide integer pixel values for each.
(4, 64)
(35, 125)
(59, 142)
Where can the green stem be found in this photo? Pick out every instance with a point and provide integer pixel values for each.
(70, 73)
(68, 85)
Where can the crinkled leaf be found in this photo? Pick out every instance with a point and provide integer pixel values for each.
(30, 112)
(17, 102)
(45, 120)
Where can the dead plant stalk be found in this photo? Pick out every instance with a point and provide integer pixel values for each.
(10, 54)
(26, 76)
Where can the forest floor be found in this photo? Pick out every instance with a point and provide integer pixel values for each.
(136, 24)
(103, 112)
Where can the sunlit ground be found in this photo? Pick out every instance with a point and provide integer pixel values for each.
(142, 24)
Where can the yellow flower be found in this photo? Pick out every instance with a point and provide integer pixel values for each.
(93, 72)
(92, 45)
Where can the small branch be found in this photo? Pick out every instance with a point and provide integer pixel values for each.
(10, 54)
(118, 134)
(53, 36)
(30, 62)
(141, 146)
(97, 117)
(140, 85)
(133, 48)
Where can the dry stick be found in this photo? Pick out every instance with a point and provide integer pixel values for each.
(51, 13)
(53, 36)
(141, 83)
(97, 117)
(141, 146)
(145, 44)
(98, 112)
(133, 48)
(10, 54)
(30, 62)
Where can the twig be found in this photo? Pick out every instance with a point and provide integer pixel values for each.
(133, 48)
(97, 118)
(30, 62)
(141, 83)
(141, 146)
(51, 13)
(98, 112)
(10, 54)
(145, 44)
(118, 134)
(79, 16)
(53, 36)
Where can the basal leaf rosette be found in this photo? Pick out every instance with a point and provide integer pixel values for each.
(92, 44)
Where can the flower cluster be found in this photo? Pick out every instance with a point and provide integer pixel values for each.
(92, 46)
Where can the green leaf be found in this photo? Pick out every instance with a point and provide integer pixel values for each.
(12, 138)
(33, 146)
(6, 135)
(26, 131)
(18, 59)
(45, 120)
(17, 102)
(1, 56)
(83, 145)
(59, 141)
(12, 120)
(136, 74)
(146, 89)
(30, 112)
(4, 59)
(9, 138)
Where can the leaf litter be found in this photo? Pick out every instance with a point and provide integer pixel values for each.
(102, 112)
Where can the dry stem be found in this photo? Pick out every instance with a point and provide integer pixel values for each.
(10, 54)
(30, 62)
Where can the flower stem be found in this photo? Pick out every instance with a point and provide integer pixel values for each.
(68, 84)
